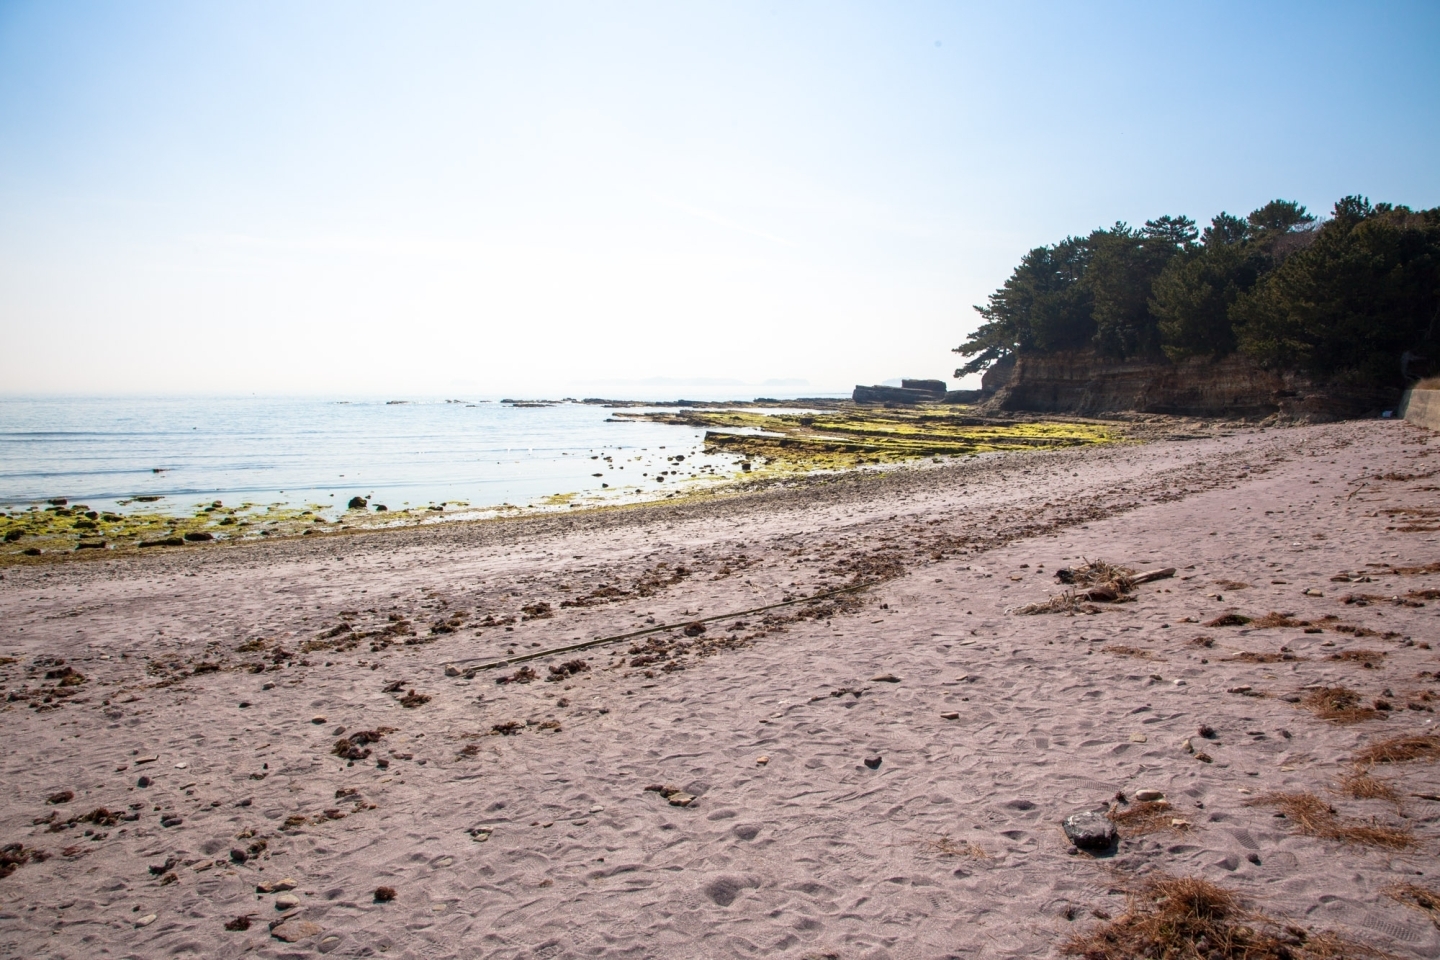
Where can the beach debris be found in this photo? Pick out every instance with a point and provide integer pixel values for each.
(523, 675)
(508, 728)
(384, 894)
(13, 856)
(1094, 582)
(566, 670)
(1090, 830)
(536, 611)
(885, 678)
(355, 746)
(239, 923)
(693, 629)
(412, 700)
(62, 796)
(873, 762)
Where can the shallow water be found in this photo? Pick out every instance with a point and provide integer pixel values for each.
(189, 451)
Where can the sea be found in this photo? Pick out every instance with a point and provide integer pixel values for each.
(178, 453)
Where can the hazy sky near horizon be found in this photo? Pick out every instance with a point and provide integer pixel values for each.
(555, 197)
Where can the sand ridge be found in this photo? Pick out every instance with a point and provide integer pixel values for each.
(513, 819)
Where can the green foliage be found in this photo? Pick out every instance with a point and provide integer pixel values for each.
(1345, 300)
(1353, 302)
(1041, 308)
(1124, 265)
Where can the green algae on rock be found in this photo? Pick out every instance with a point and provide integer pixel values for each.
(853, 435)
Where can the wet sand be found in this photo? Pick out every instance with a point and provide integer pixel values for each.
(514, 820)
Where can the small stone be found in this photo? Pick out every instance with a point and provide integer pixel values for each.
(146, 920)
(680, 799)
(949, 716)
(329, 943)
(1090, 830)
(1179, 824)
(275, 886)
(1149, 795)
(1138, 738)
(885, 678)
(1312, 592)
(317, 720)
(287, 901)
(1187, 746)
(761, 761)
(181, 765)
(294, 930)
(451, 670)
(873, 762)
(171, 821)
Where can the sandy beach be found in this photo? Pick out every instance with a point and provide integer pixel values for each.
(228, 750)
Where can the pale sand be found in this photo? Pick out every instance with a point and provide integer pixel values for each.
(812, 854)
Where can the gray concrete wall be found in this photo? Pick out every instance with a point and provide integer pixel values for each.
(1422, 407)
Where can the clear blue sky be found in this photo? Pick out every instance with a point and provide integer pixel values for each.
(501, 198)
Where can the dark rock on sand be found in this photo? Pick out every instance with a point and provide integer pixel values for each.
(358, 503)
(1090, 830)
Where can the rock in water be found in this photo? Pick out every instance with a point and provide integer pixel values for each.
(1090, 830)
(358, 503)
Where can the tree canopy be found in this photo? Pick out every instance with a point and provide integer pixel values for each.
(1355, 297)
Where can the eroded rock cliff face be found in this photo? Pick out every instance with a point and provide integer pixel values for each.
(1082, 382)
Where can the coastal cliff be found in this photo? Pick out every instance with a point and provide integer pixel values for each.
(1083, 382)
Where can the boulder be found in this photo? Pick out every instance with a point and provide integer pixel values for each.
(1090, 830)
(358, 503)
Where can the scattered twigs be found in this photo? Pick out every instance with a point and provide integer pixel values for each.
(600, 641)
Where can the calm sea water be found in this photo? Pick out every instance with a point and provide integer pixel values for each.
(315, 451)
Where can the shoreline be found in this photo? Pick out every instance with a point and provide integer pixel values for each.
(514, 818)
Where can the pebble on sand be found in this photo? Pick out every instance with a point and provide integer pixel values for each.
(292, 931)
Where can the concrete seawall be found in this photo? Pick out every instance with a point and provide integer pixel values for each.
(1422, 407)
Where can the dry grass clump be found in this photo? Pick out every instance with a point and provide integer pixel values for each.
(1123, 650)
(1423, 746)
(1314, 817)
(1187, 918)
(1338, 705)
(1148, 816)
(1362, 786)
(1229, 620)
(1273, 619)
(1366, 658)
(1414, 895)
(945, 846)
(1248, 657)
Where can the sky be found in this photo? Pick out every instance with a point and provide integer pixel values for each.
(554, 198)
